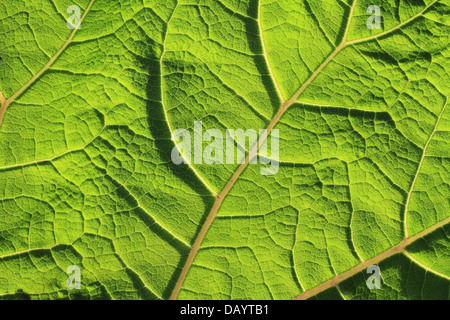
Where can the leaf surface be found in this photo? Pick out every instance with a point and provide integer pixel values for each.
(86, 175)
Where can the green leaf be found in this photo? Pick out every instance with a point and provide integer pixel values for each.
(87, 179)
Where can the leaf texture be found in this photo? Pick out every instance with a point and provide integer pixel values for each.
(86, 175)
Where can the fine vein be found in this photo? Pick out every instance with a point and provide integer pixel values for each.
(220, 197)
(6, 102)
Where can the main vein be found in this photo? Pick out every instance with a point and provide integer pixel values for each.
(285, 106)
(405, 213)
(400, 248)
(220, 197)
